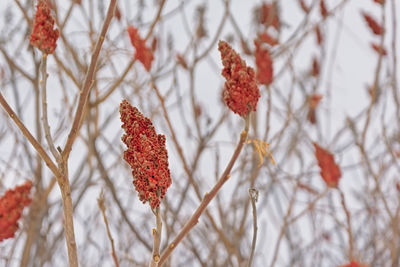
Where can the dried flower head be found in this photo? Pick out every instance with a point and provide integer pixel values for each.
(330, 171)
(265, 68)
(142, 53)
(11, 205)
(241, 92)
(43, 36)
(146, 154)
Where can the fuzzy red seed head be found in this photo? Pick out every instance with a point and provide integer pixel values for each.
(142, 53)
(241, 92)
(43, 36)
(146, 154)
(12, 204)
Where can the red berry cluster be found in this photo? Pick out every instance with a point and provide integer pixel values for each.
(146, 154)
(43, 36)
(143, 53)
(11, 205)
(241, 92)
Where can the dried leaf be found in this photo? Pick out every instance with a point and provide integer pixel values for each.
(330, 171)
(313, 102)
(303, 6)
(262, 150)
(117, 13)
(323, 9)
(268, 39)
(143, 53)
(315, 67)
(318, 35)
(381, 2)
(307, 188)
(181, 61)
(268, 15)
(379, 49)
(375, 27)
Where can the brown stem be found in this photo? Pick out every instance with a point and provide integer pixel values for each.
(110, 186)
(253, 193)
(102, 206)
(189, 173)
(88, 81)
(115, 85)
(38, 147)
(348, 222)
(45, 121)
(207, 197)
(284, 227)
(68, 209)
(156, 239)
(156, 19)
(121, 78)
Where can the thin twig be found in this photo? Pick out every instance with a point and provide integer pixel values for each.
(348, 221)
(102, 206)
(38, 147)
(284, 227)
(45, 121)
(394, 57)
(189, 173)
(110, 186)
(309, 206)
(207, 197)
(253, 193)
(88, 81)
(156, 19)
